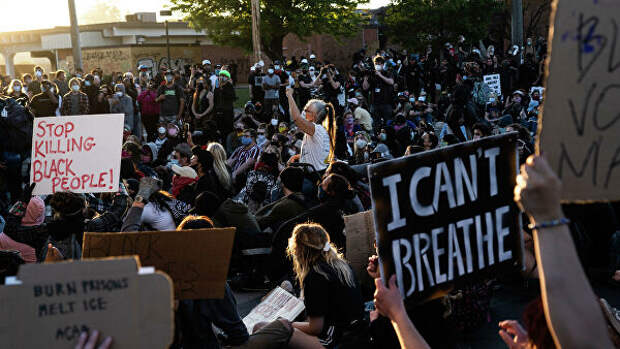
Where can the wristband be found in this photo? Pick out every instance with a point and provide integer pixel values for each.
(549, 224)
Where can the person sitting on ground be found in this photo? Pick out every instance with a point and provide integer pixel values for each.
(243, 158)
(196, 317)
(332, 297)
(290, 205)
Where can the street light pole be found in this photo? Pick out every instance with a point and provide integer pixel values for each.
(166, 13)
(256, 29)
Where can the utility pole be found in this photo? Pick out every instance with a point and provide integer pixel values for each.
(75, 37)
(256, 29)
(166, 13)
(517, 23)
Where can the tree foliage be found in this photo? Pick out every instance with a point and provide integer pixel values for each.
(417, 23)
(229, 22)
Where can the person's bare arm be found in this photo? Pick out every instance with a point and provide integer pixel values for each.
(573, 314)
(389, 303)
(181, 108)
(304, 125)
(365, 84)
(313, 326)
(335, 84)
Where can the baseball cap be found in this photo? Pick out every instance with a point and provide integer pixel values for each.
(206, 62)
(184, 171)
(225, 73)
(353, 101)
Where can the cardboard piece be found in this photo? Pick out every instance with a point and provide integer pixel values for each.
(360, 232)
(580, 124)
(447, 215)
(196, 260)
(495, 83)
(56, 302)
(278, 304)
(81, 153)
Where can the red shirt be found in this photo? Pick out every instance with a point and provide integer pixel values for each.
(147, 102)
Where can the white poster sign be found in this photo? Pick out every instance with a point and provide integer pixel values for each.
(494, 83)
(81, 154)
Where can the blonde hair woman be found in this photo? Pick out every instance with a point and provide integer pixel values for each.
(332, 298)
(219, 165)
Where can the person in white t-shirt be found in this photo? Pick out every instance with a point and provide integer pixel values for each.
(318, 123)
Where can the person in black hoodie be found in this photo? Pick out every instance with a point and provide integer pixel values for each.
(333, 193)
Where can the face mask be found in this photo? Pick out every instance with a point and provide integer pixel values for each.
(378, 67)
(277, 67)
(161, 130)
(261, 138)
(246, 140)
(25, 89)
(145, 159)
(75, 88)
(43, 89)
(274, 122)
(87, 83)
(168, 78)
(360, 143)
(270, 71)
(172, 132)
(28, 81)
(119, 94)
(217, 72)
(412, 99)
(281, 129)
(321, 194)
(52, 90)
(492, 100)
(96, 79)
(38, 73)
(79, 76)
(17, 88)
(383, 137)
(125, 154)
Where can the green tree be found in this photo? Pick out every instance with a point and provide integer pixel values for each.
(418, 23)
(229, 22)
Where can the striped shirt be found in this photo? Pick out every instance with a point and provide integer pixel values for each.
(241, 155)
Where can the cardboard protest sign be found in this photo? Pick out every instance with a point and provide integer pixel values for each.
(196, 260)
(81, 154)
(278, 304)
(360, 232)
(447, 215)
(56, 302)
(579, 130)
(494, 82)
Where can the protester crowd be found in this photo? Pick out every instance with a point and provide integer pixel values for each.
(297, 153)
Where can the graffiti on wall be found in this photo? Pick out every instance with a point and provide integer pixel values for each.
(154, 62)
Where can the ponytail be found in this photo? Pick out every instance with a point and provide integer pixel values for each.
(330, 125)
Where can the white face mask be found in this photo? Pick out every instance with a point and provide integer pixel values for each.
(96, 79)
(270, 71)
(360, 143)
(274, 122)
(52, 90)
(17, 88)
(25, 89)
(161, 130)
(491, 100)
(119, 93)
(277, 67)
(75, 88)
(378, 67)
(38, 73)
